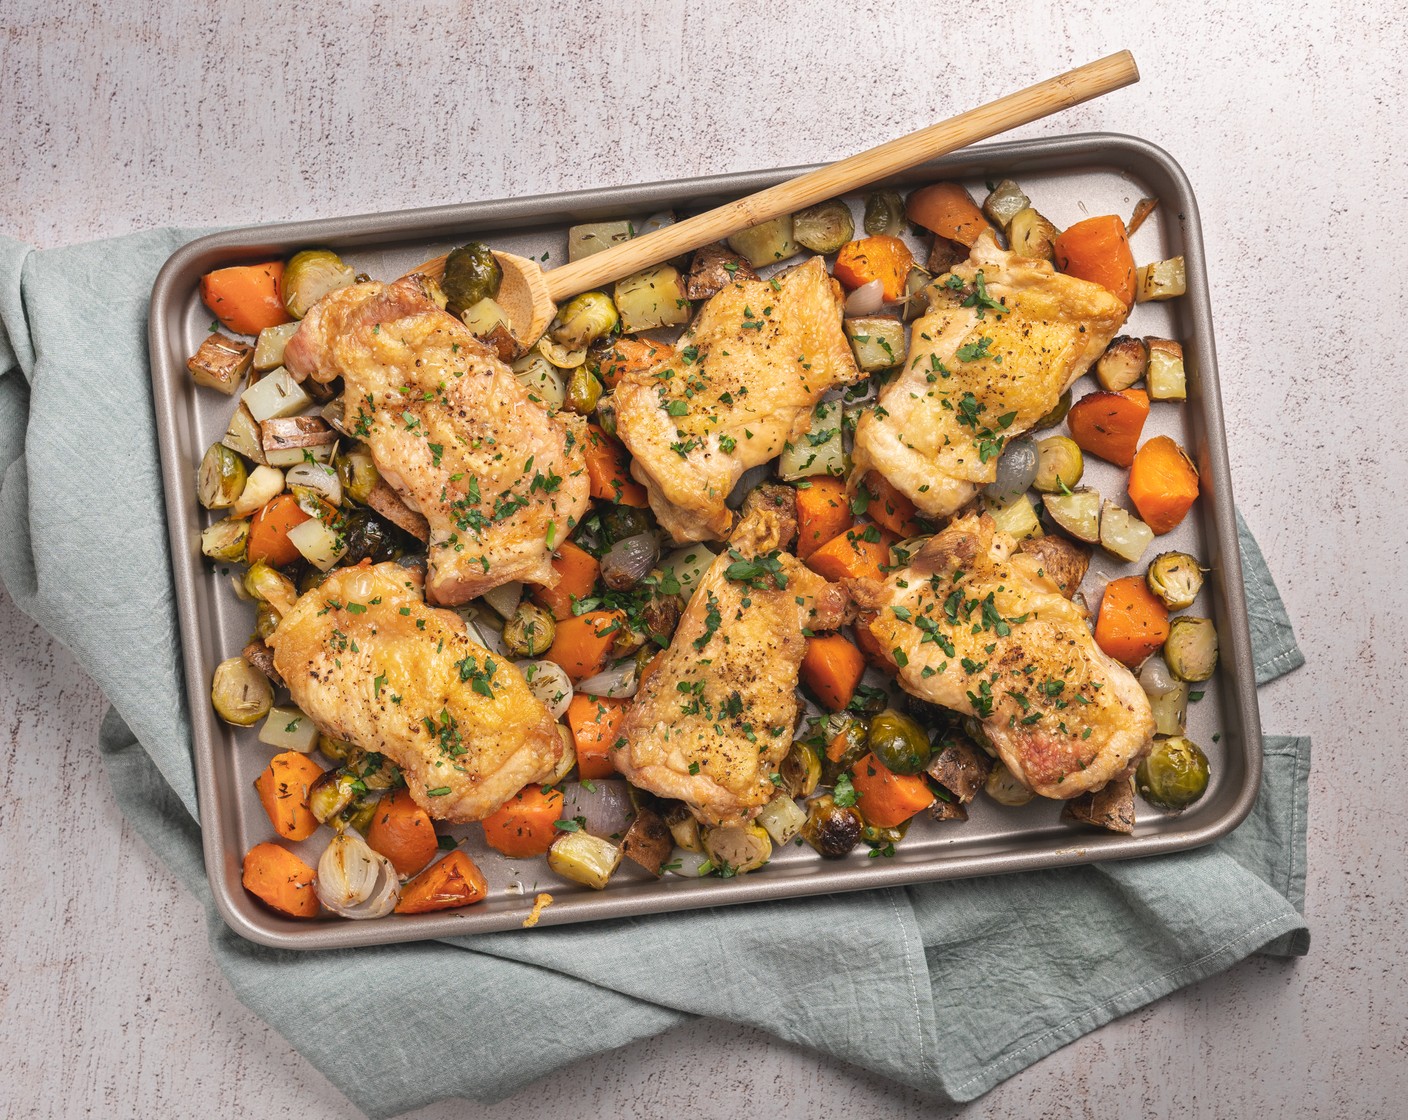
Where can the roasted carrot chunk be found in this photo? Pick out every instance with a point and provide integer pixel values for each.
(283, 791)
(823, 512)
(523, 826)
(831, 668)
(576, 570)
(403, 832)
(280, 880)
(1163, 483)
(453, 882)
(1109, 424)
(1132, 623)
(887, 799)
(595, 723)
(1097, 250)
(608, 470)
(246, 297)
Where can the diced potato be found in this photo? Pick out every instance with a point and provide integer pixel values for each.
(766, 243)
(1017, 517)
(593, 237)
(653, 298)
(288, 729)
(1077, 512)
(584, 859)
(490, 323)
(1161, 280)
(546, 384)
(820, 451)
(290, 456)
(1004, 788)
(916, 299)
(877, 342)
(221, 363)
(263, 484)
(1110, 808)
(1123, 363)
(1004, 202)
(279, 433)
(782, 818)
(269, 347)
(275, 394)
(1123, 534)
(1166, 380)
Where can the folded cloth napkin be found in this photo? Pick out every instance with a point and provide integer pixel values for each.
(948, 987)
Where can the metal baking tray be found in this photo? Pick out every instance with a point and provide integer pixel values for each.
(1068, 178)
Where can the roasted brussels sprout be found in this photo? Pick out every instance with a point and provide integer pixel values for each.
(546, 384)
(471, 274)
(226, 539)
(309, 276)
(1059, 464)
(356, 470)
(561, 356)
(530, 631)
(833, 830)
(266, 619)
(335, 750)
(583, 319)
(271, 586)
(1031, 235)
(880, 838)
(330, 794)
(369, 537)
(901, 745)
(825, 227)
(1123, 363)
(583, 391)
(1191, 648)
(619, 522)
(738, 849)
(373, 769)
(884, 213)
(240, 693)
(1175, 578)
(801, 770)
(854, 734)
(221, 477)
(1173, 775)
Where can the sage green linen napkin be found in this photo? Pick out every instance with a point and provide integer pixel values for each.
(947, 987)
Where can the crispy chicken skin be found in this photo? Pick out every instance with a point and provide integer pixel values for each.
(712, 724)
(748, 372)
(371, 663)
(986, 631)
(453, 430)
(978, 375)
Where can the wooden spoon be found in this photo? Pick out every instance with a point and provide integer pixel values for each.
(529, 296)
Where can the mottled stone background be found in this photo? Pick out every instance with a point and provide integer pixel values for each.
(1288, 119)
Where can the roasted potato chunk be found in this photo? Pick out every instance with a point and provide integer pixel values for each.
(713, 268)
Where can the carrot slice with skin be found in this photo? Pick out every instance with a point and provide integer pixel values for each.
(881, 257)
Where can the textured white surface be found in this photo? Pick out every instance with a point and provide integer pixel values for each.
(1288, 121)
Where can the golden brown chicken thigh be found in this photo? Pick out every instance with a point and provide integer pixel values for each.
(712, 724)
(453, 430)
(976, 627)
(1004, 337)
(748, 372)
(369, 662)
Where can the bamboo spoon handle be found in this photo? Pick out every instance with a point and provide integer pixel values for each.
(1061, 92)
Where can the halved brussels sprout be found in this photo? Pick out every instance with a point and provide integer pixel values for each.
(901, 745)
(1059, 464)
(916, 293)
(1123, 363)
(240, 693)
(583, 392)
(563, 357)
(766, 243)
(336, 750)
(309, 276)
(530, 631)
(825, 227)
(1173, 775)
(1175, 579)
(226, 540)
(1057, 413)
(271, 586)
(1191, 648)
(884, 213)
(331, 794)
(583, 319)
(800, 769)
(546, 384)
(357, 471)
(472, 273)
(1031, 235)
(738, 848)
(833, 830)
(266, 621)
